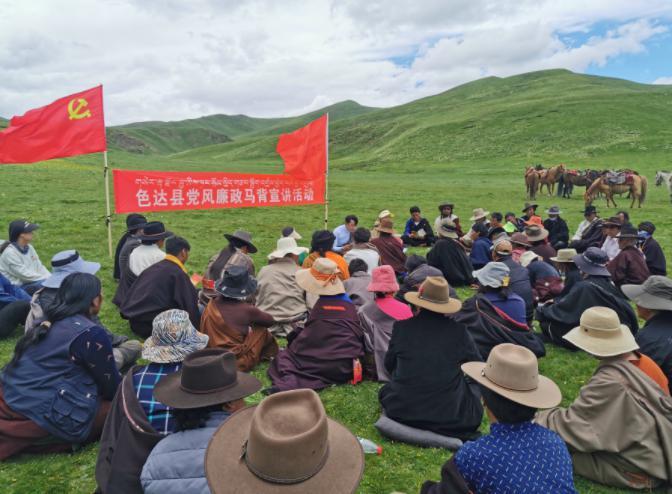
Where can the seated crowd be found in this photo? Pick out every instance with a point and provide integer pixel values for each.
(355, 306)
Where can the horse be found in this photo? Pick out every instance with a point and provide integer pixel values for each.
(531, 182)
(666, 178)
(637, 190)
(551, 177)
(567, 181)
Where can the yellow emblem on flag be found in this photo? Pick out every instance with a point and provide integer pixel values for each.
(78, 112)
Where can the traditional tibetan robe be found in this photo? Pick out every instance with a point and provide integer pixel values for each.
(391, 251)
(449, 256)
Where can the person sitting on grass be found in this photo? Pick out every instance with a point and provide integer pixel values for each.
(610, 229)
(14, 307)
(57, 388)
(236, 325)
(569, 273)
(390, 248)
(520, 245)
(203, 395)
(323, 352)
(343, 239)
(165, 285)
(377, 317)
(511, 223)
(320, 247)
(618, 429)
(417, 232)
(449, 256)
(629, 266)
(544, 278)
(356, 286)
(137, 420)
(481, 247)
(537, 236)
(530, 215)
(496, 314)
(363, 249)
(655, 257)
(19, 262)
(558, 232)
(519, 279)
(128, 241)
(447, 211)
(418, 270)
(427, 390)
(518, 455)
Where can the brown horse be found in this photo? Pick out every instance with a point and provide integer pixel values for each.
(531, 182)
(550, 177)
(637, 189)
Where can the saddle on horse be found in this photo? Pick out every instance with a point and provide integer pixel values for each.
(618, 178)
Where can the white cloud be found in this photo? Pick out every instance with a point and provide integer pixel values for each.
(166, 59)
(663, 80)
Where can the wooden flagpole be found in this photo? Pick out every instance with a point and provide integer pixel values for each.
(326, 183)
(108, 216)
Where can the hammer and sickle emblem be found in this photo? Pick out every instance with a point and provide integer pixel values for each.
(78, 112)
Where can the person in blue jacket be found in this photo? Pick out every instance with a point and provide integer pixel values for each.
(481, 249)
(14, 306)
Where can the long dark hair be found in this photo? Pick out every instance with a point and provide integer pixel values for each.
(4, 246)
(195, 418)
(74, 297)
(322, 242)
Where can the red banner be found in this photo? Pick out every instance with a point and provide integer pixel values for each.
(67, 127)
(138, 191)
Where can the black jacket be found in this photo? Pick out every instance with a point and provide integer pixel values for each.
(591, 237)
(655, 257)
(428, 390)
(557, 232)
(449, 256)
(655, 341)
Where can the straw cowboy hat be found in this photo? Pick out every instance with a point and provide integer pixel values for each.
(655, 293)
(601, 333)
(434, 295)
(493, 274)
(383, 279)
(244, 237)
(321, 278)
(207, 377)
(173, 338)
(512, 371)
(565, 255)
(447, 229)
(285, 444)
(386, 226)
(286, 245)
(535, 233)
(479, 213)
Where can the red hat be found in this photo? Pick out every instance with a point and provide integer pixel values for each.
(383, 280)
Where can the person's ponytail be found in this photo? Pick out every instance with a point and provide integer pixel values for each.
(4, 246)
(31, 337)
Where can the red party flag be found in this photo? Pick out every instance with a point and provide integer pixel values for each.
(304, 151)
(67, 127)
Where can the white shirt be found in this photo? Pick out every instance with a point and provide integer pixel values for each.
(22, 268)
(610, 246)
(144, 256)
(369, 256)
(580, 229)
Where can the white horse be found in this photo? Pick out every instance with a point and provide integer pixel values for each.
(666, 177)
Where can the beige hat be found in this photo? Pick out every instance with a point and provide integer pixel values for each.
(479, 213)
(385, 213)
(535, 233)
(565, 255)
(601, 333)
(286, 245)
(447, 228)
(527, 257)
(434, 295)
(322, 278)
(512, 371)
(503, 247)
(286, 444)
(655, 293)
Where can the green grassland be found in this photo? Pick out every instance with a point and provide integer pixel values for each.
(468, 145)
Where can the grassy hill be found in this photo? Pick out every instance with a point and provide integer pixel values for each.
(172, 137)
(3, 122)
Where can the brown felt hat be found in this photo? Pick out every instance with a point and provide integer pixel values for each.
(286, 444)
(535, 233)
(434, 295)
(386, 226)
(208, 377)
(519, 238)
(512, 371)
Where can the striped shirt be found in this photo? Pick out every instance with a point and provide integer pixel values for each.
(144, 381)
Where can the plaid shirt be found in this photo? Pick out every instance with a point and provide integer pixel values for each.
(144, 381)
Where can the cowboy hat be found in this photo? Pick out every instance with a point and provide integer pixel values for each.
(447, 229)
(155, 231)
(322, 278)
(492, 274)
(593, 261)
(284, 246)
(519, 238)
(628, 232)
(565, 255)
(527, 257)
(613, 221)
(242, 236)
(434, 295)
(554, 210)
(289, 231)
(135, 221)
(207, 377)
(502, 247)
(655, 293)
(479, 213)
(446, 204)
(385, 213)
(589, 210)
(285, 444)
(386, 226)
(535, 233)
(173, 338)
(237, 283)
(65, 263)
(383, 279)
(512, 371)
(601, 333)
(529, 205)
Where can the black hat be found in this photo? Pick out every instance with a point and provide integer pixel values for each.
(589, 210)
(529, 205)
(244, 237)
(237, 283)
(647, 226)
(17, 227)
(628, 231)
(135, 221)
(498, 230)
(155, 230)
(593, 261)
